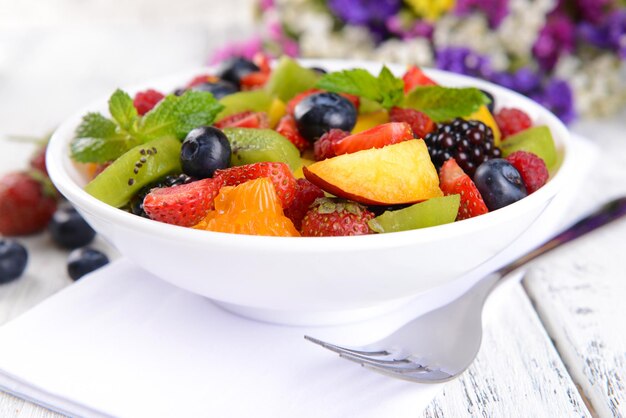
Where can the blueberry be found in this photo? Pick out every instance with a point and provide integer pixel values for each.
(234, 69)
(85, 260)
(218, 88)
(321, 112)
(69, 230)
(499, 183)
(204, 150)
(13, 259)
(492, 99)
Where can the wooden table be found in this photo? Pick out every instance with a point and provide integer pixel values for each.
(555, 345)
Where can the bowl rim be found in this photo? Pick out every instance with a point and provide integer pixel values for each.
(57, 156)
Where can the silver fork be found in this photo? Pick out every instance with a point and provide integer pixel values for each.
(441, 344)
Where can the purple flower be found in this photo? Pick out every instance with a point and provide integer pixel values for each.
(409, 30)
(557, 96)
(370, 13)
(463, 61)
(496, 10)
(593, 11)
(556, 37)
(610, 34)
(246, 49)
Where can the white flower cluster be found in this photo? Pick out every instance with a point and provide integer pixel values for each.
(519, 30)
(598, 83)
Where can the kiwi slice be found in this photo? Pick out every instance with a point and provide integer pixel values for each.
(253, 100)
(431, 212)
(251, 145)
(290, 78)
(136, 168)
(537, 140)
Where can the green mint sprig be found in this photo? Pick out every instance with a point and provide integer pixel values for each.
(386, 89)
(99, 139)
(445, 103)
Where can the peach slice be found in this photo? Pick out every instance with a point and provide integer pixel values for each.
(395, 174)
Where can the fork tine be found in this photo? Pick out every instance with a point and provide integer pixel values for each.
(421, 376)
(400, 365)
(340, 349)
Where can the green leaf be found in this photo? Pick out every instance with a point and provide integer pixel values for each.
(95, 125)
(177, 115)
(123, 110)
(445, 103)
(100, 150)
(385, 89)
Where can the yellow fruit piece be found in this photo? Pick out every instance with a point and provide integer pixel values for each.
(298, 172)
(484, 115)
(251, 208)
(395, 174)
(276, 111)
(370, 120)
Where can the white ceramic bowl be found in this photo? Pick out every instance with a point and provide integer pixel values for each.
(295, 280)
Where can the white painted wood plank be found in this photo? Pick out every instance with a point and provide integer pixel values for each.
(580, 292)
(517, 373)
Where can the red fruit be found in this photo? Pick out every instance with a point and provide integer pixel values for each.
(325, 146)
(377, 137)
(336, 218)
(532, 169)
(183, 205)
(420, 123)
(453, 180)
(262, 61)
(511, 121)
(280, 174)
(145, 100)
(254, 80)
(27, 202)
(38, 160)
(201, 79)
(306, 193)
(415, 77)
(287, 127)
(247, 119)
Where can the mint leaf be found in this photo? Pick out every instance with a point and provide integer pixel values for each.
(177, 115)
(95, 125)
(386, 89)
(445, 103)
(100, 150)
(123, 110)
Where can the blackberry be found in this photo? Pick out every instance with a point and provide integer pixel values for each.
(469, 142)
(136, 202)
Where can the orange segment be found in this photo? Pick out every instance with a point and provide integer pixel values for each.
(251, 208)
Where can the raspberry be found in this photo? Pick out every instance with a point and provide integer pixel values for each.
(287, 128)
(325, 146)
(306, 193)
(512, 120)
(469, 142)
(146, 100)
(420, 123)
(532, 169)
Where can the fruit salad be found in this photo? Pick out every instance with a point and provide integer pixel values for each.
(286, 150)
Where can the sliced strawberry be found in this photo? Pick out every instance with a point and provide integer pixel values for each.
(325, 146)
(377, 137)
(453, 180)
(287, 127)
(414, 77)
(183, 205)
(254, 80)
(262, 61)
(280, 174)
(306, 193)
(420, 123)
(244, 120)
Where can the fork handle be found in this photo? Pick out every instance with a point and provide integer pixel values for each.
(609, 212)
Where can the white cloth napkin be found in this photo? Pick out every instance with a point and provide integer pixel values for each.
(121, 342)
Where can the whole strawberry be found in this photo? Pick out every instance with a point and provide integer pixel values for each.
(335, 218)
(183, 205)
(27, 202)
(306, 193)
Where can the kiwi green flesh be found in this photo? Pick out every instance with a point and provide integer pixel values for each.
(289, 78)
(537, 140)
(431, 212)
(250, 145)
